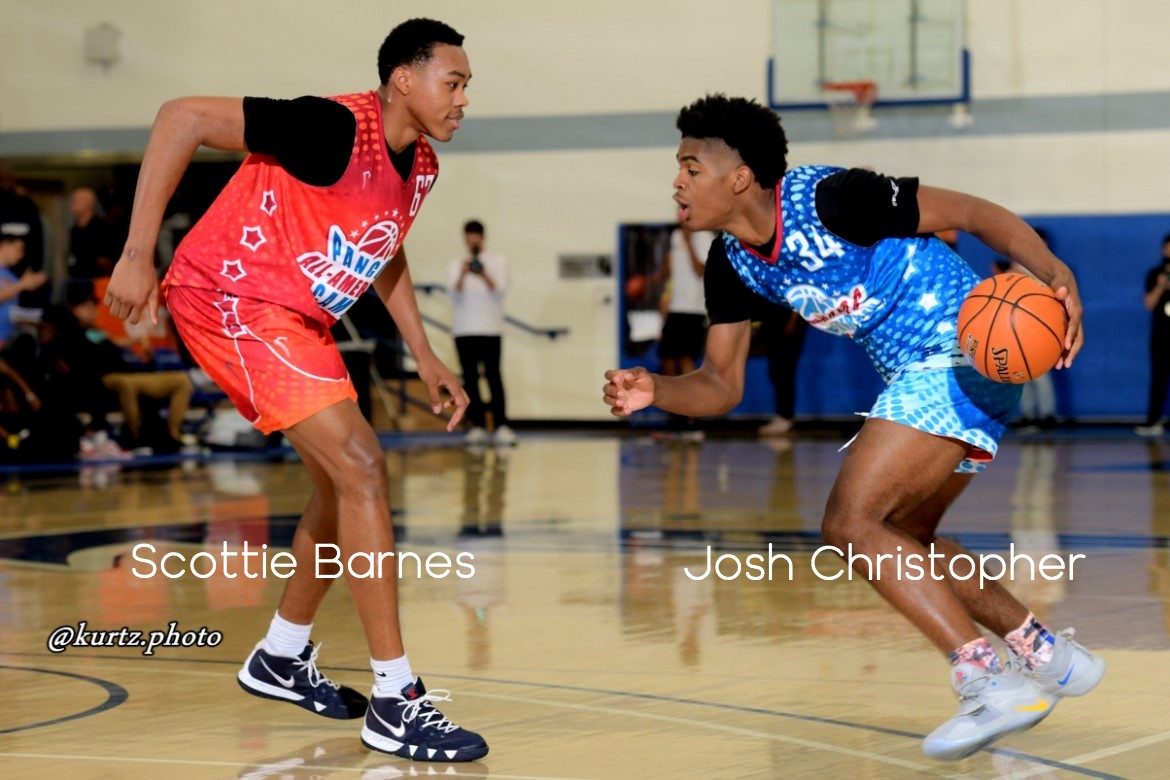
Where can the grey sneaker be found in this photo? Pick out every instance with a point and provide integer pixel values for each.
(777, 426)
(1073, 670)
(477, 436)
(504, 437)
(990, 706)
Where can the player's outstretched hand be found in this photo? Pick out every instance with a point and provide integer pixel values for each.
(133, 288)
(1067, 293)
(627, 390)
(437, 378)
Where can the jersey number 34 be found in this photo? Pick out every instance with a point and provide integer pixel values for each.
(826, 246)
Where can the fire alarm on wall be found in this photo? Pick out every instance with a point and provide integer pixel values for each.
(101, 44)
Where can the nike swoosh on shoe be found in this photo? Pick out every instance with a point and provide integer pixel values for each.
(290, 682)
(1039, 706)
(396, 731)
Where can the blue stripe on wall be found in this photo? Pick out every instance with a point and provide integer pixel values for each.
(998, 116)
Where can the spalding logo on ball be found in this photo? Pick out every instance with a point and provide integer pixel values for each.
(1012, 328)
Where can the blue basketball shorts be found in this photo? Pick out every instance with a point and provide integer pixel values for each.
(953, 401)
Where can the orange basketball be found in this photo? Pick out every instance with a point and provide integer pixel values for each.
(635, 286)
(1011, 328)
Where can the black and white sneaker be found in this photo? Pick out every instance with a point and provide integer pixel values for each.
(300, 682)
(408, 725)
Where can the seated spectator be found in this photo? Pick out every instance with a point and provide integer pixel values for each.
(129, 385)
(81, 373)
(17, 399)
(73, 366)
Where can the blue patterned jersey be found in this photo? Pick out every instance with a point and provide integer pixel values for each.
(898, 298)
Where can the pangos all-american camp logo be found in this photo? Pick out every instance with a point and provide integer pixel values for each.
(346, 270)
(841, 316)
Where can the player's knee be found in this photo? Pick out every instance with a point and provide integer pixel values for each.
(921, 532)
(361, 469)
(838, 530)
(322, 504)
(845, 524)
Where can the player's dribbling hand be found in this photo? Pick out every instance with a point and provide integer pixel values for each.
(133, 288)
(628, 390)
(437, 377)
(1065, 285)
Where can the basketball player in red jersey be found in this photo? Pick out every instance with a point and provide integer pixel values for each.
(315, 216)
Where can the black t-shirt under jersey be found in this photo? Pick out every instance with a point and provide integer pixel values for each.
(854, 204)
(311, 137)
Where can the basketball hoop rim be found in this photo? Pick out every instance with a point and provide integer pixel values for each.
(864, 92)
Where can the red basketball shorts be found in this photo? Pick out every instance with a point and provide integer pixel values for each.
(277, 366)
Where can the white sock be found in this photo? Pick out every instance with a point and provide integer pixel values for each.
(285, 638)
(390, 677)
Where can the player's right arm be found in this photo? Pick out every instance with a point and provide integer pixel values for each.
(716, 387)
(181, 127)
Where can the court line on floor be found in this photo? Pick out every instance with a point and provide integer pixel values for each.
(115, 695)
(807, 743)
(1125, 747)
(625, 713)
(653, 697)
(239, 764)
(1097, 755)
(652, 716)
(779, 714)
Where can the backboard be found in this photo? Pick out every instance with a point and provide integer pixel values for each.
(913, 49)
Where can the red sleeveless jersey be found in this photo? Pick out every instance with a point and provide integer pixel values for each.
(314, 250)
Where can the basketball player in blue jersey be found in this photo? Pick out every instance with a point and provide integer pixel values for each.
(852, 252)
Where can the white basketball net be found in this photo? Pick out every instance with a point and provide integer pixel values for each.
(849, 107)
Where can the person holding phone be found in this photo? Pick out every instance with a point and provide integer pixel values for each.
(478, 283)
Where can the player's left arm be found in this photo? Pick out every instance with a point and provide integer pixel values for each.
(1010, 236)
(396, 290)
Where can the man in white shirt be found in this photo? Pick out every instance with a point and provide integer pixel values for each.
(477, 283)
(685, 331)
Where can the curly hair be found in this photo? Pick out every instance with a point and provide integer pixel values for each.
(411, 43)
(744, 125)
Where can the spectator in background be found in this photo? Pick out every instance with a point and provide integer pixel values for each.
(478, 283)
(16, 394)
(91, 250)
(20, 218)
(1038, 400)
(1157, 302)
(73, 368)
(783, 331)
(684, 331)
(11, 285)
(111, 362)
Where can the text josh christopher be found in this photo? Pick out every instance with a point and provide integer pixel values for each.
(251, 563)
